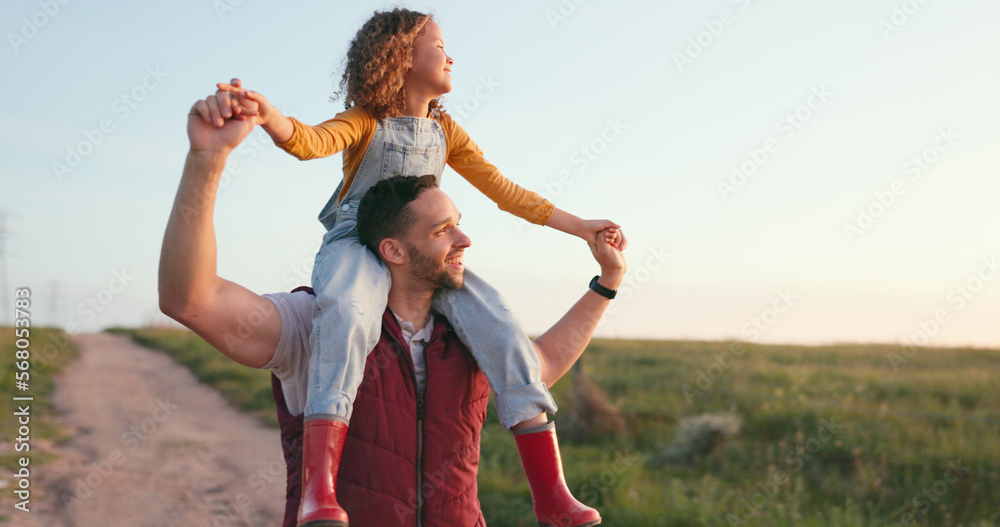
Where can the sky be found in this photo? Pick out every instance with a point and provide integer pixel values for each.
(786, 172)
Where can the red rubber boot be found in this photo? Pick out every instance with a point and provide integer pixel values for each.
(554, 505)
(322, 444)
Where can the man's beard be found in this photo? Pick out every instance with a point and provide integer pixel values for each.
(431, 271)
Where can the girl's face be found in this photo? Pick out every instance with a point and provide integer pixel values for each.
(430, 67)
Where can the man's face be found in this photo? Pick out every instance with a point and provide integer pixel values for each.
(434, 243)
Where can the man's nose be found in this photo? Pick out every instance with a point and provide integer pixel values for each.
(461, 239)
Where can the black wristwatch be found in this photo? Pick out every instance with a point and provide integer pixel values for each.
(601, 290)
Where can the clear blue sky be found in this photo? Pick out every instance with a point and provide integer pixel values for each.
(735, 141)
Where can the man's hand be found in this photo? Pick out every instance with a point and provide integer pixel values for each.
(609, 257)
(217, 124)
(276, 124)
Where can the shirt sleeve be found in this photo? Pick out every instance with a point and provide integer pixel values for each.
(345, 130)
(467, 159)
(290, 362)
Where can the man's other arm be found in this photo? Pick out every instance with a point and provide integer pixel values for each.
(241, 324)
(560, 346)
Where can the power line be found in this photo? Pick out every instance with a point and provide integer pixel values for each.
(54, 304)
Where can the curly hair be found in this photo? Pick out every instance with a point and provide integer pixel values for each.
(376, 63)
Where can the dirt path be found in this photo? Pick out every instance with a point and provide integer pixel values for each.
(152, 447)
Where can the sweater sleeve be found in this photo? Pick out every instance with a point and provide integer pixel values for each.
(467, 159)
(346, 129)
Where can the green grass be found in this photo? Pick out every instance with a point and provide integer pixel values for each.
(886, 461)
(49, 351)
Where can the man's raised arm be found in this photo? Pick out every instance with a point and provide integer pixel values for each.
(560, 346)
(242, 325)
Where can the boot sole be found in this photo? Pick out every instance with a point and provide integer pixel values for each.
(324, 523)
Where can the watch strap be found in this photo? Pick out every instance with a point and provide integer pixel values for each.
(601, 290)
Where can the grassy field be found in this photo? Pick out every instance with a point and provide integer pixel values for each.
(830, 436)
(49, 351)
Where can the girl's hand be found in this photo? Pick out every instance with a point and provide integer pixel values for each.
(592, 230)
(616, 238)
(589, 230)
(244, 100)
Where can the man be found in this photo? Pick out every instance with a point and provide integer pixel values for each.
(413, 447)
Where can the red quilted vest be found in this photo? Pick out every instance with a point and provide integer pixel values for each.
(379, 483)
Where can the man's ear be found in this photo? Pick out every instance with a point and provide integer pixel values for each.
(392, 251)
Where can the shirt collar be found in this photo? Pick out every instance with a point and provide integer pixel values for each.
(411, 334)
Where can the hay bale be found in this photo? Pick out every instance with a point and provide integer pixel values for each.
(591, 415)
(697, 436)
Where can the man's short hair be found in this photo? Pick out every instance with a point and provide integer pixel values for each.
(384, 212)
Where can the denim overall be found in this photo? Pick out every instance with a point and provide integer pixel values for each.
(352, 287)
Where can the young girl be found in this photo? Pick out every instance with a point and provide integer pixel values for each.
(395, 125)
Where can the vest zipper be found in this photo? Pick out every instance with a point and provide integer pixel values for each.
(420, 432)
(420, 456)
